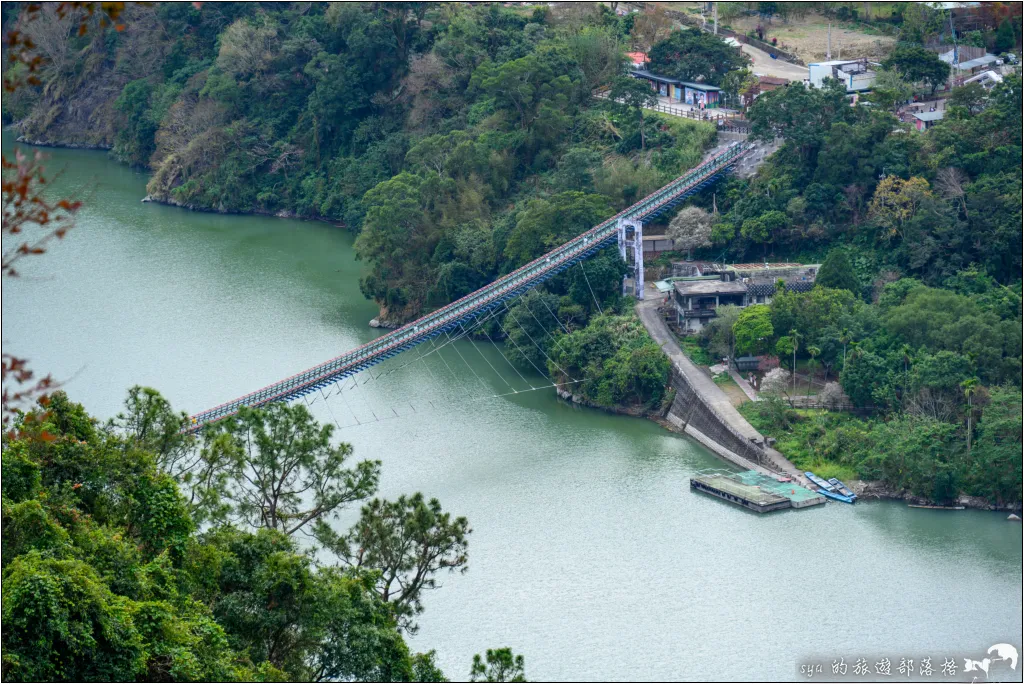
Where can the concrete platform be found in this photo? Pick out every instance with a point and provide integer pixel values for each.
(799, 497)
(729, 489)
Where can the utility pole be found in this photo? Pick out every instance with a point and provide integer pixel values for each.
(828, 48)
(716, 18)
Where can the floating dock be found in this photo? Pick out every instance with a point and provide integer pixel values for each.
(799, 497)
(756, 492)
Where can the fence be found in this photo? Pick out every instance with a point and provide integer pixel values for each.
(732, 122)
(835, 405)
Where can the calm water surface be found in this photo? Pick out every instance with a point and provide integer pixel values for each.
(589, 553)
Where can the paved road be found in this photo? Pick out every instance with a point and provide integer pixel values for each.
(709, 392)
(764, 65)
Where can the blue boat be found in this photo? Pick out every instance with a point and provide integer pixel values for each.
(820, 483)
(826, 488)
(842, 488)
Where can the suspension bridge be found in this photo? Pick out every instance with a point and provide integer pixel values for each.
(626, 228)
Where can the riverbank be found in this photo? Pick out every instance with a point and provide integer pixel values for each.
(60, 145)
(846, 446)
(166, 201)
(208, 306)
(880, 491)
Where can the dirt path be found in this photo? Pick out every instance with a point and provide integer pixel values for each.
(764, 65)
(807, 37)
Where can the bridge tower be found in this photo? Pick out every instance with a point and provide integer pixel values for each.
(631, 248)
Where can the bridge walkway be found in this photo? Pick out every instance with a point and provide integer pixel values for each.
(488, 298)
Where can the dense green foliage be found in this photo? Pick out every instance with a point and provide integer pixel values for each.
(923, 205)
(753, 330)
(613, 361)
(922, 357)
(918, 65)
(837, 272)
(918, 453)
(458, 141)
(917, 307)
(693, 55)
(107, 576)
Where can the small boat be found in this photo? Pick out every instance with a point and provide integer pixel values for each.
(842, 488)
(825, 488)
(821, 484)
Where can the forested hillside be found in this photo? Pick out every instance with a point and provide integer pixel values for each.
(458, 141)
(917, 309)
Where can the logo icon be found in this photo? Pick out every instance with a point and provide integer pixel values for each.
(1004, 652)
(975, 665)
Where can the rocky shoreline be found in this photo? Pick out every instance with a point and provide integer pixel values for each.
(634, 411)
(170, 201)
(873, 489)
(283, 213)
(60, 145)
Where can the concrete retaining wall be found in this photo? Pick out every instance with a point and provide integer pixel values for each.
(693, 413)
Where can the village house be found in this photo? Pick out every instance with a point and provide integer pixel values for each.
(856, 74)
(925, 120)
(986, 79)
(764, 84)
(697, 295)
(696, 94)
(965, 60)
(637, 59)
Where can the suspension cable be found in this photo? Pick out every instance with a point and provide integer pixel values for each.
(590, 288)
(484, 357)
(527, 332)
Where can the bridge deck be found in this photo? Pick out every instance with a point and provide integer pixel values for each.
(486, 298)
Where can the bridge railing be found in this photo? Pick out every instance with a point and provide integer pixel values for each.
(450, 315)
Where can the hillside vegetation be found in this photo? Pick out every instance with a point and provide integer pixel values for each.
(452, 138)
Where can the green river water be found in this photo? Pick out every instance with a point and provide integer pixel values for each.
(589, 553)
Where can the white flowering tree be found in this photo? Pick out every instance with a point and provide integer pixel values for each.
(775, 382)
(832, 395)
(690, 229)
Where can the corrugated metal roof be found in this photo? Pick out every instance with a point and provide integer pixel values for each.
(643, 73)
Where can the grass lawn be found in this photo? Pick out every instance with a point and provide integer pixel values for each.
(736, 394)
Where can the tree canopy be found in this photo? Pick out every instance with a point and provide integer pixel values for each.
(694, 55)
(106, 574)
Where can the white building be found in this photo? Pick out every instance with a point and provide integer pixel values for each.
(855, 74)
(987, 79)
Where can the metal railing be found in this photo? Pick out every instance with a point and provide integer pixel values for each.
(480, 301)
(694, 114)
